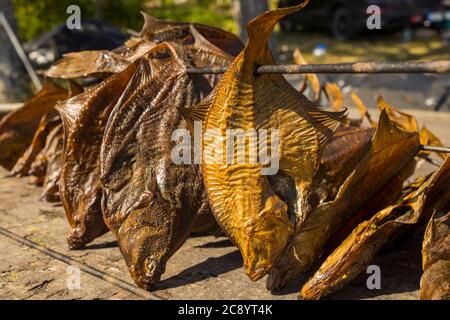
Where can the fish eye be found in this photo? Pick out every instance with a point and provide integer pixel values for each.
(150, 265)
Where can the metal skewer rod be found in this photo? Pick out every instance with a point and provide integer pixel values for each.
(83, 267)
(20, 52)
(436, 149)
(439, 66)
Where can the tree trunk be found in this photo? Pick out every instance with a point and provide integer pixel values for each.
(99, 8)
(13, 78)
(246, 10)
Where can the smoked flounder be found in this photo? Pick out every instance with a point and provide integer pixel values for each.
(101, 63)
(340, 156)
(18, 127)
(54, 153)
(356, 252)
(435, 282)
(159, 31)
(150, 203)
(372, 185)
(84, 117)
(243, 201)
(48, 122)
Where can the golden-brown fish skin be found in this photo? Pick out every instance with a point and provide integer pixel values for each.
(85, 117)
(353, 256)
(54, 153)
(334, 95)
(393, 149)
(436, 240)
(48, 122)
(47, 162)
(158, 31)
(38, 168)
(103, 63)
(18, 127)
(338, 159)
(435, 282)
(427, 138)
(150, 203)
(357, 101)
(206, 50)
(42, 159)
(261, 222)
(310, 78)
(87, 63)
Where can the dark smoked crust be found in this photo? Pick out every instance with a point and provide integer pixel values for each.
(54, 151)
(85, 119)
(18, 127)
(150, 203)
(208, 45)
(47, 123)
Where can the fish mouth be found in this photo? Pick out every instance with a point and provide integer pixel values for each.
(75, 241)
(258, 273)
(277, 280)
(148, 275)
(147, 282)
(310, 292)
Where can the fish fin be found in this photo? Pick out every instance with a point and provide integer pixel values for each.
(151, 24)
(359, 104)
(199, 38)
(154, 27)
(403, 120)
(180, 55)
(202, 42)
(49, 86)
(260, 29)
(364, 113)
(390, 132)
(326, 123)
(310, 78)
(140, 78)
(334, 95)
(200, 111)
(382, 103)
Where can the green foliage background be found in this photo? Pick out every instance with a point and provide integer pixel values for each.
(37, 16)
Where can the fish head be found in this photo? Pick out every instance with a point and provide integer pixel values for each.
(262, 240)
(145, 263)
(146, 242)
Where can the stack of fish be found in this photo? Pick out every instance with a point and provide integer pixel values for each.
(106, 151)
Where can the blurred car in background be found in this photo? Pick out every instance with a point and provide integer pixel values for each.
(347, 18)
(438, 19)
(51, 45)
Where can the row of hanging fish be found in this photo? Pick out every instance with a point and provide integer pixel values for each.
(343, 186)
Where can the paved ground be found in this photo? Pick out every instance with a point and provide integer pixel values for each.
(204, 268)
